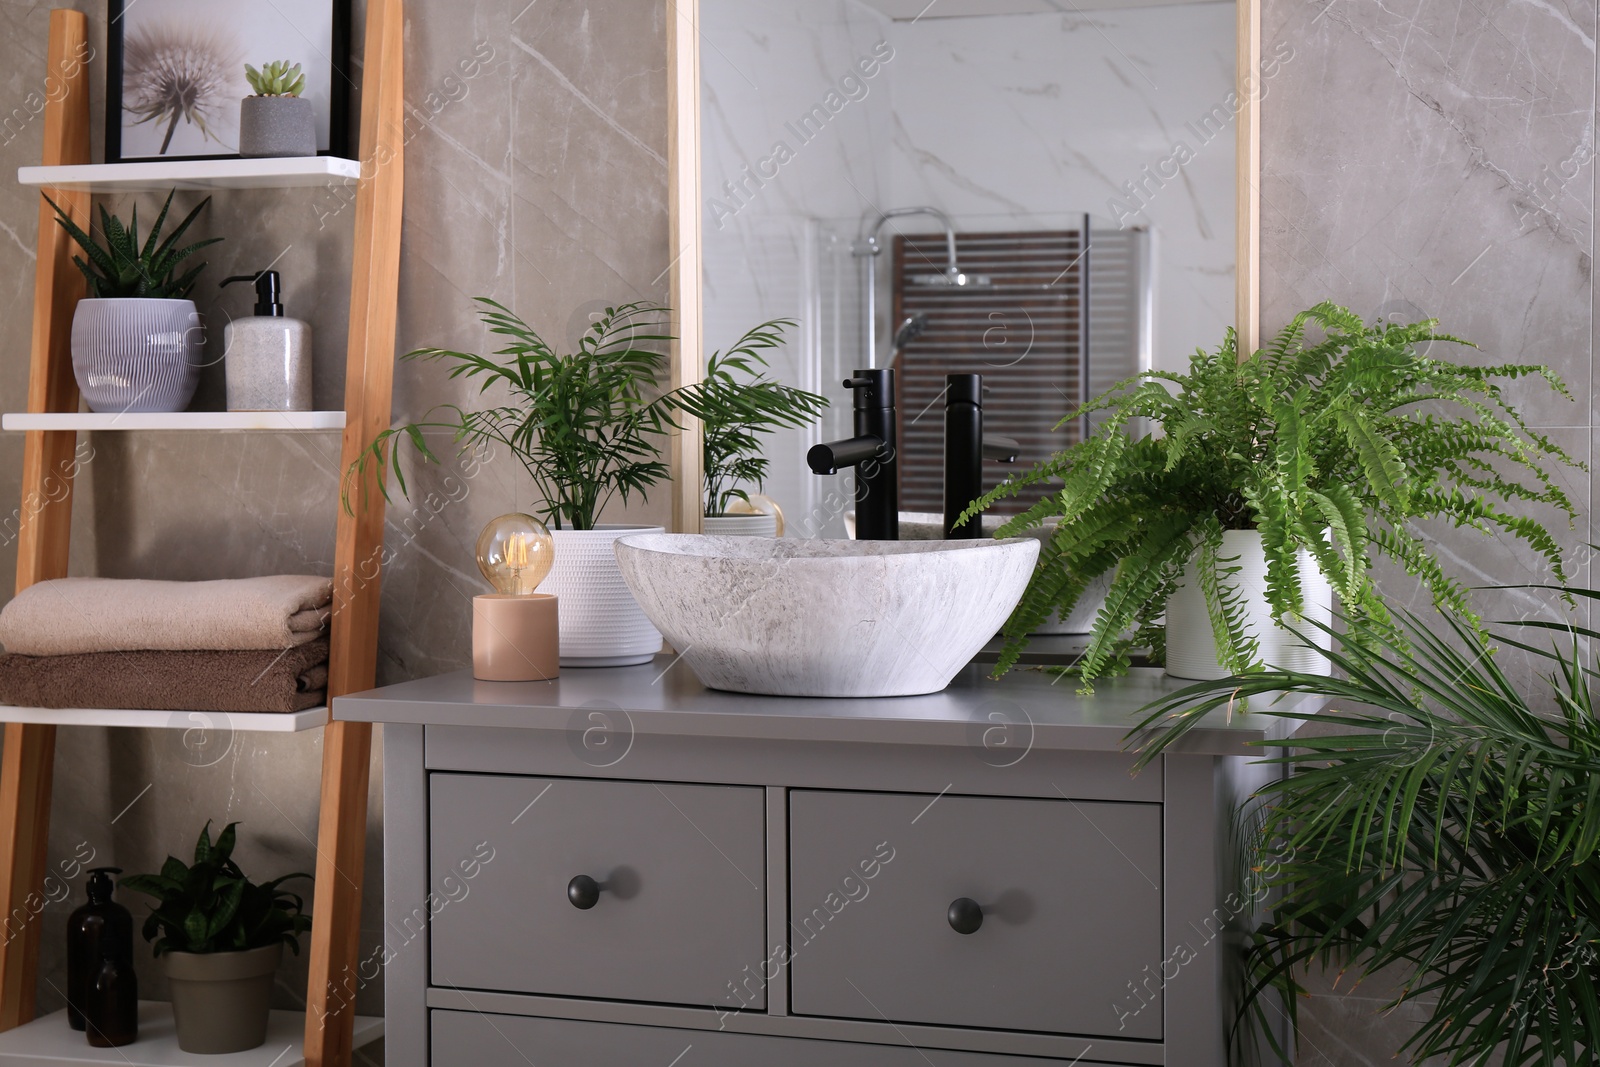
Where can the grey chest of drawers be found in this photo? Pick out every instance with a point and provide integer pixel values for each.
(623, 868)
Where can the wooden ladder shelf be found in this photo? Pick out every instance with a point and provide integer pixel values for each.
(26, 762)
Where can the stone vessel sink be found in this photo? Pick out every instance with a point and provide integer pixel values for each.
(787, 617)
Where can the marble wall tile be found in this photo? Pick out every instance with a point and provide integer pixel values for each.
(1437, 159)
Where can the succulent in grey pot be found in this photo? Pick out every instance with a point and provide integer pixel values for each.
(136, 336)
(220, 938)
(277, 121)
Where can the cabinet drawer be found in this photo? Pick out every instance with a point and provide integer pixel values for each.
(681, 870)
(466, 1039)
(1069, 892)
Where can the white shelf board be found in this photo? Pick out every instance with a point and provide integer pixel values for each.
(50, 1042)
(175, 420)
(271, 722)
(161, 175)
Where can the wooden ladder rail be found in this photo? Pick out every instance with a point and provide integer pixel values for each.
(369, 380)
(44, 519)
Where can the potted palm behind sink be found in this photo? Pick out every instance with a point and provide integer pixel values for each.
(220, 938)
(587, 427)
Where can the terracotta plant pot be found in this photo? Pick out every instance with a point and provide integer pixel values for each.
(220, 1000)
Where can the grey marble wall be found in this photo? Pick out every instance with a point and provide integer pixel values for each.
(1418, 157)
(1436, 157)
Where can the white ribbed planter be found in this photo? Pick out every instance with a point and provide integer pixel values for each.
(601, 624)
(1191, 647)
(760, 525)
(136, 354)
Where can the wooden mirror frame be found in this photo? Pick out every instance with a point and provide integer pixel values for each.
(683, 202)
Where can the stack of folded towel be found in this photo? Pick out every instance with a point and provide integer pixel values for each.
(250, 644)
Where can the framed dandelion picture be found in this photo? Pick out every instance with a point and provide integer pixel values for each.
(175, 72)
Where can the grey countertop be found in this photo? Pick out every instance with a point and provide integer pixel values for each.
(665, 698)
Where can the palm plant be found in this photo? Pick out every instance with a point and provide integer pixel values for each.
(1334, 449)
(1449, 830)
(583, 426)
(121, 267)
(738, 404)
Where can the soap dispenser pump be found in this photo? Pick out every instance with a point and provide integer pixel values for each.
(267, 355)
(97, 927)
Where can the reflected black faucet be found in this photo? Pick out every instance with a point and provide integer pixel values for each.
(965, 449)
(872, 453)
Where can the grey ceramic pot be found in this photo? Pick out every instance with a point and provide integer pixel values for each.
(136, 354)
(220, 1000)
(277, 126)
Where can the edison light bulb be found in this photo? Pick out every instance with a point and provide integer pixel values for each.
(515, 553)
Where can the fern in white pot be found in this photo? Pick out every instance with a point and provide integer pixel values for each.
(1275, 481)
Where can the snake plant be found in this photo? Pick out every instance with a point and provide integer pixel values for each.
(1336, 448)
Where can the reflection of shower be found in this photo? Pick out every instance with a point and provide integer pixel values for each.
(867, 248)
(909, 331)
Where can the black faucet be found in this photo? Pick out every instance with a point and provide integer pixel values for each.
(965, 449)
(872, 453)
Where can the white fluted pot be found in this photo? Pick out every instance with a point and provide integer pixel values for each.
(1191, 646)
(758, 525)
(601, 624)
(136, 354)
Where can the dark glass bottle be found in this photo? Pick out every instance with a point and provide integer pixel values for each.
(100, 922)
(112, 1009)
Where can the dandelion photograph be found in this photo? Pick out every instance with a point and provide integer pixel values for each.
(176, 72)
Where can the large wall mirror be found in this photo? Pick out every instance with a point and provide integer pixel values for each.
(1052, 195)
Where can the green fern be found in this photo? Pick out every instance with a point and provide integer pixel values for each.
(1335, 448)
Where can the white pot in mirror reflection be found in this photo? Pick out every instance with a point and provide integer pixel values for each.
(1191, 645)
(759, 524)
(601, 624)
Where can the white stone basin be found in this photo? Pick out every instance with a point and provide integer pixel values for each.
(788, 617)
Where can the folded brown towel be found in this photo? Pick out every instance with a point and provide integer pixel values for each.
(278, 680)
(71, 615)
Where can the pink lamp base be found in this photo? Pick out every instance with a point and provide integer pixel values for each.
(515, 638)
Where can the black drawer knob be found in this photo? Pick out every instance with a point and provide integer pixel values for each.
(965, 915)
(584, 892)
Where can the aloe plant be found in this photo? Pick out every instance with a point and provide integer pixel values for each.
(1335, 448)
(1447, 831)
(277, 78)
(212, 907)
(122, 267)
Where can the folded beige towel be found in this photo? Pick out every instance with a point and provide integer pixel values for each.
(73, 615)
(282, 680)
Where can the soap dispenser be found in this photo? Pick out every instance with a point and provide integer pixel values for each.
(267, 355)
(98, 926)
